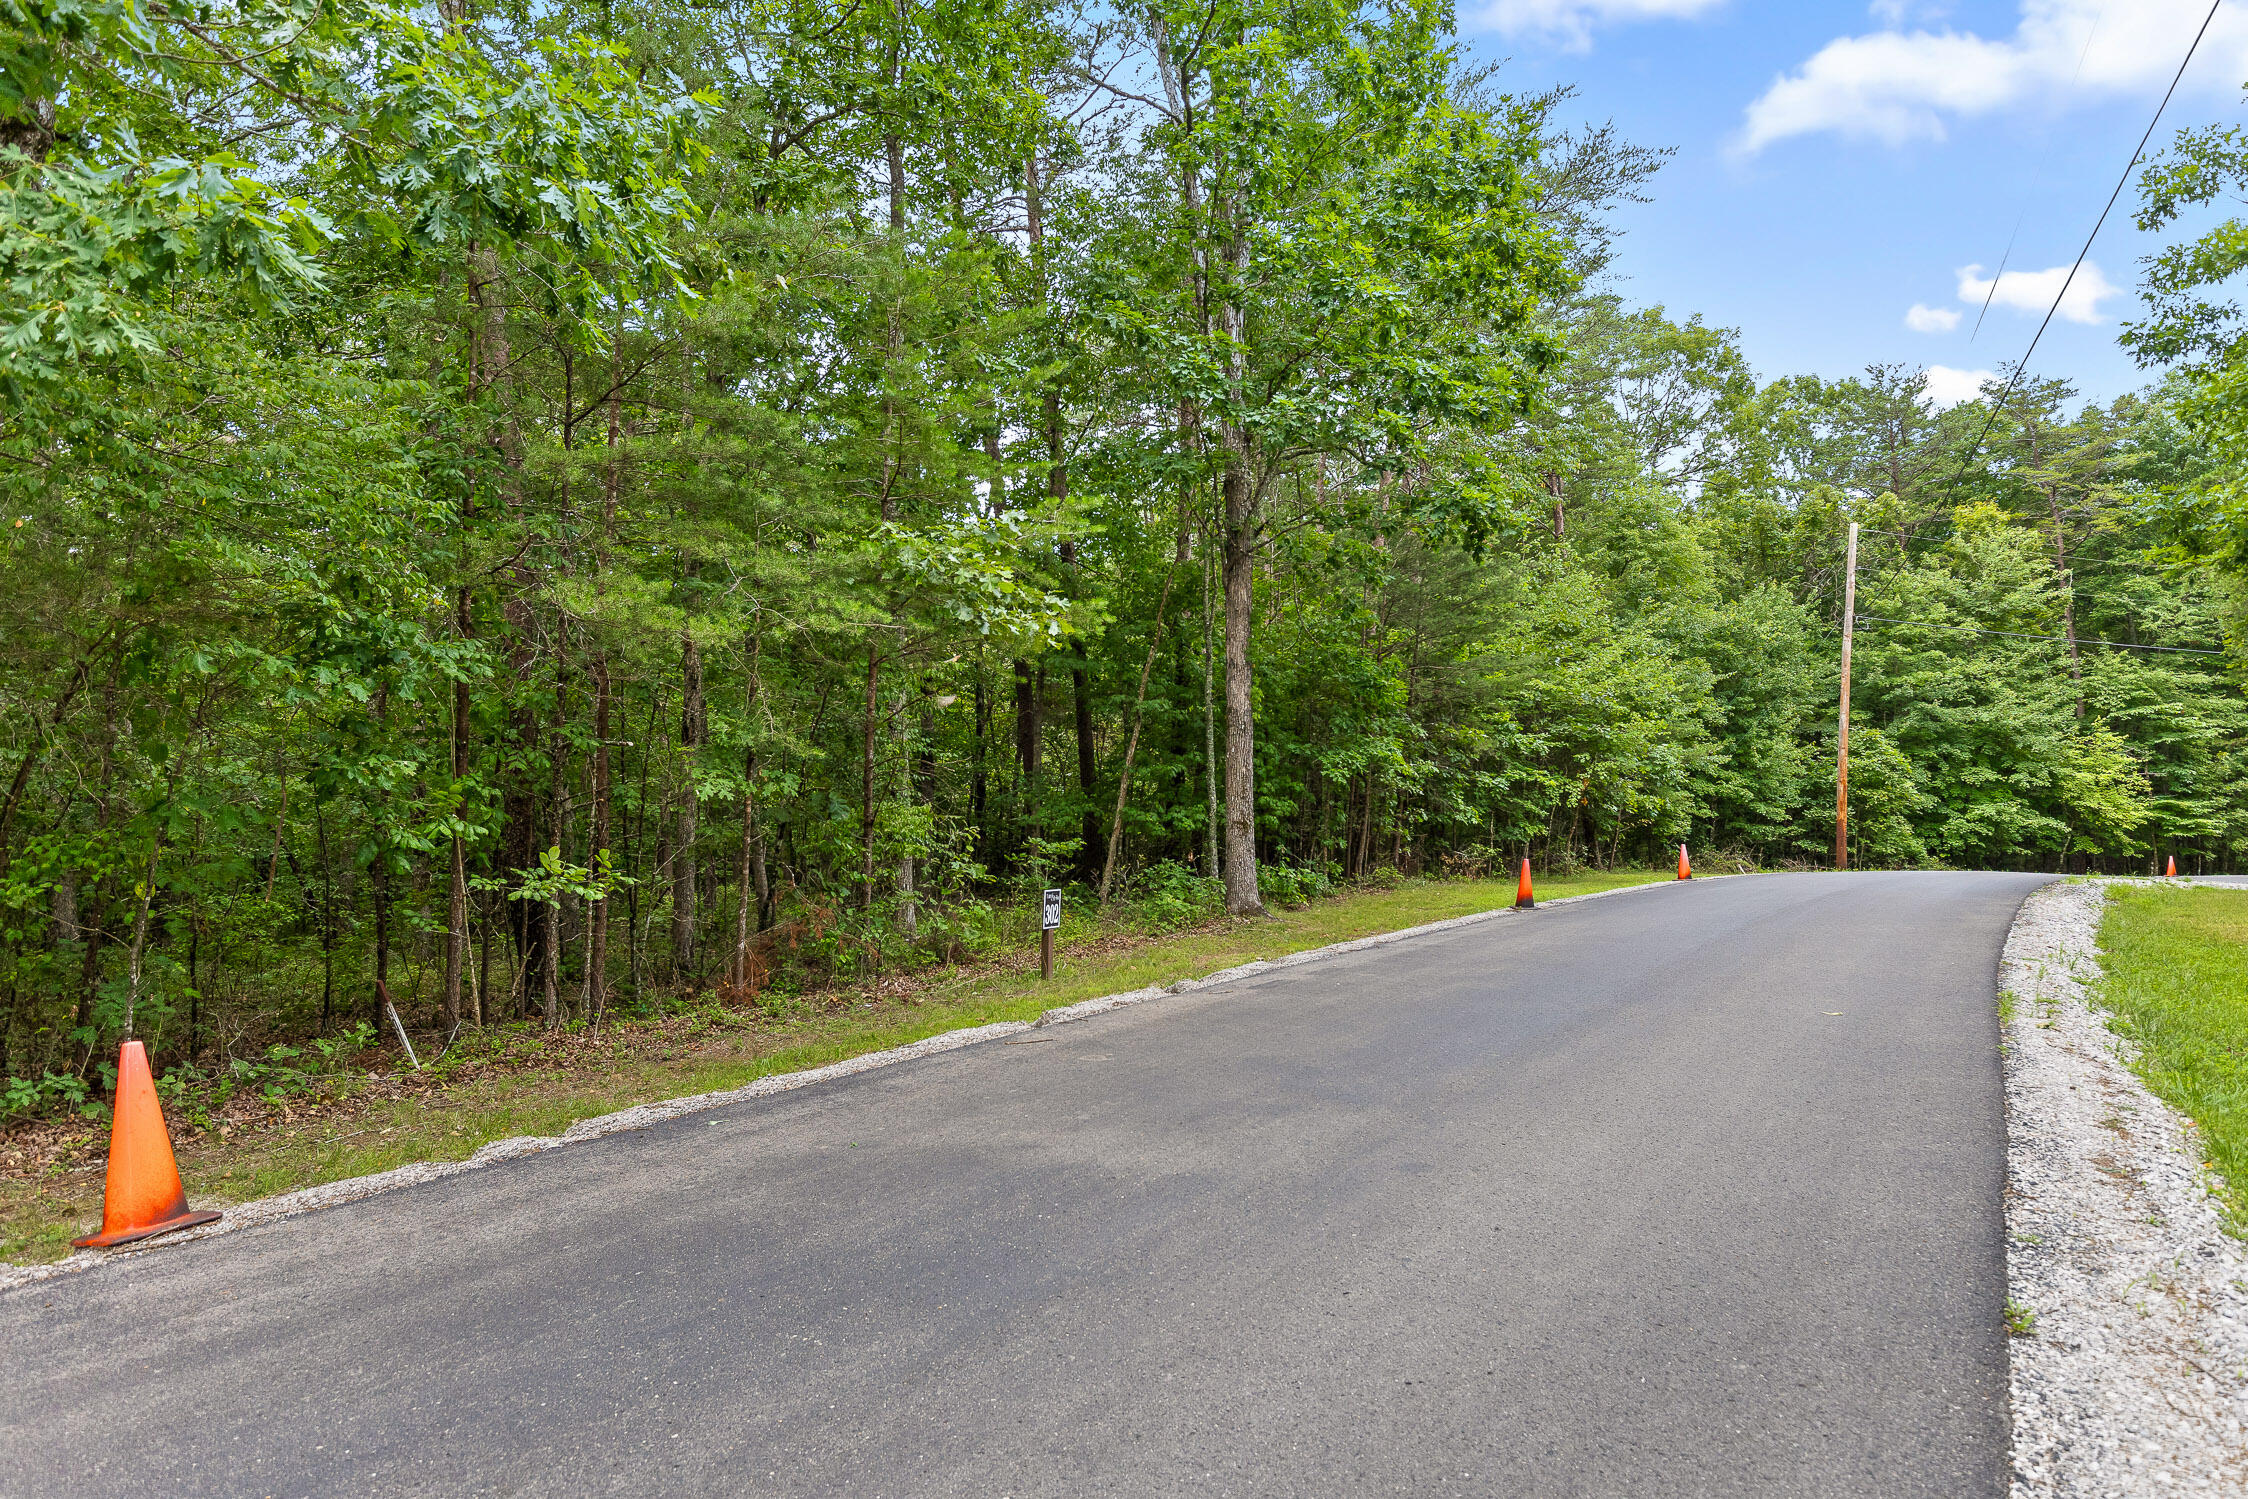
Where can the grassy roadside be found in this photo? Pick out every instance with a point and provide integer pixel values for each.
(521, 1082)
(2177, 984)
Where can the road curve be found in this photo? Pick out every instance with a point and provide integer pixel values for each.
(1692, 1190)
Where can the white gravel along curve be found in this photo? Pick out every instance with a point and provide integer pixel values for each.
(2131, 1376)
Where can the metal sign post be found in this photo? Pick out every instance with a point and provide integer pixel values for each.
(1052, 919)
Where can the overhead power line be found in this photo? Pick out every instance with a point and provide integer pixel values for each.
(2036, 178)
(2068, 281)
(1936, 537)
(2121, 645)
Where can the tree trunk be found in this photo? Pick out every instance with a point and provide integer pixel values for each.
(753, 851)
(63, 904)
(1211, 822)
(1088, 858)
(866, 779)
(89, 965)
(456, 900)
(327, 915)
(1030, 731)
(1132, 743)
(550, 974)
(1242, 897)
(519, 840)
(382, 892)
(382, 936)
(752, 885)
(1362, 850)
(147, 894)
(597, 923)
(1240, 495)
(598, 856)
(483, 987)
(492, 366)
(979, 766)
(693, 725)
(909, 914)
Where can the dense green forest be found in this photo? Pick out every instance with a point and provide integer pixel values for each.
(542, 507)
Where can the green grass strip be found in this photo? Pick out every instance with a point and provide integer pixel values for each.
(2177, 984)
(722, 1050)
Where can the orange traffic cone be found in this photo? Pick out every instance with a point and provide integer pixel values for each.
(1522, 897)
(1685, 869)
(145, 1196)
(2172, 872)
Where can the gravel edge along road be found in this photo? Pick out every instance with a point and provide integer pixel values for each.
(2129, 1370)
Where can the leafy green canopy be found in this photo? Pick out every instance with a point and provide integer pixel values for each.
(560, 506)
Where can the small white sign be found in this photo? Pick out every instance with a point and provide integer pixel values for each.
(1053, 910)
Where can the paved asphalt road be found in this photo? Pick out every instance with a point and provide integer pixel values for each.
(1688, 1190)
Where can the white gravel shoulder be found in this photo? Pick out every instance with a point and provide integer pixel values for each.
(311, 1199)
(2135, 1381)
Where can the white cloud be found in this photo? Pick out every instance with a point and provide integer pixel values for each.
(1924, 319)
(1571, 22)
(2033, 291)
(1944, 386)
(1895, 86)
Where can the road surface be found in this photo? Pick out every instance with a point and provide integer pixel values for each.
(1691, 1190)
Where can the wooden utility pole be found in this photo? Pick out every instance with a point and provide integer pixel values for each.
(1842, 723)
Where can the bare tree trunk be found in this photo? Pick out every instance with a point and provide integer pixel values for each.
(456, 900)
(597, 916)
(382, 936)
(1241, 499)
(1365, 825)
(147, 893)
(483, 986)
(550, 974)
(1082, 700)
(63, 903)
(1030, 733)
(1212, 863)
(1057, 492)
(1242, 897)
(763, 876)
(327, 917)
(753, 852)
(866, 779)
(492, 362)
(1132, 744)
(742, 976)
(382, 894)
(693, 725)
(909, 915)
(979, 766)
(925, 755)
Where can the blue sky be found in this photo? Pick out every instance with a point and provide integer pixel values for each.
(1840, 164)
